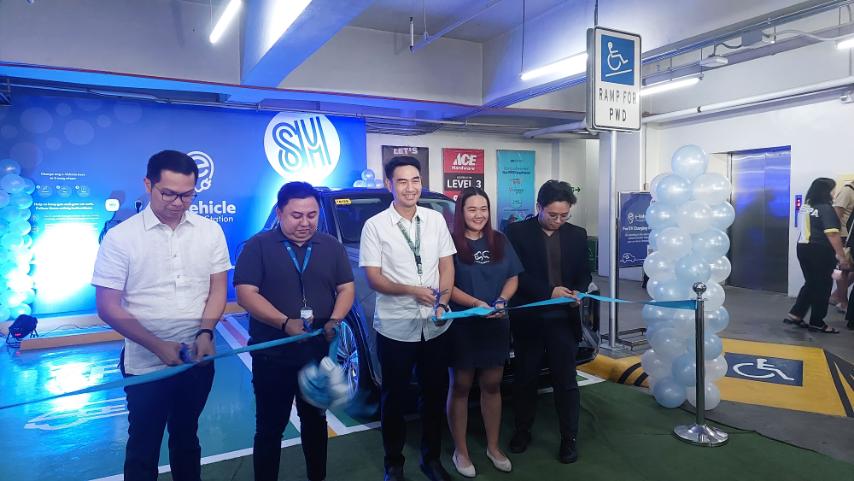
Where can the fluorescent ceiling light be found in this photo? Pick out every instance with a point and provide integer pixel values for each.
(845, 44)
(566, 67)
(225, 20)
(279, 17)
(670, 85)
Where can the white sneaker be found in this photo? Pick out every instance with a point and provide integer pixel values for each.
(503, 465)
(467, 471)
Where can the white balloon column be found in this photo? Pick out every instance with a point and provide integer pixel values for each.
(16, 284)
(689, 216)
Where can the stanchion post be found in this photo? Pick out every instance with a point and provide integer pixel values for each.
(700, 434)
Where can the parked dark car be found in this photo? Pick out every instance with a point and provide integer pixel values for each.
(343, 214)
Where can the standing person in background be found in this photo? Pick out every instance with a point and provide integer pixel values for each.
(486, 275)
(160, 281)
(843, 204)
(554, 256)
(819, 251)
(407, 253)
(291, 279)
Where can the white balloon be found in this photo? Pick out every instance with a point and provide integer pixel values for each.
(684, 321)
(711, 188)
(710, 244)
(712, 346)
(714, 296)
(712, 395)
(670, 290)
(689, 161)
(694, 216)
(660, 216)
(654, 184)
(651, 286)
(716, 368)
(658, 266)
(723, 215)
(673, 242)
(667, 343)
(673, 189)
(691, 269)
(653, 236)
(654, 366)
(720, 269)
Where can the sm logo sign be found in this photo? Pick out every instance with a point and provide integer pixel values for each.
(302, 147)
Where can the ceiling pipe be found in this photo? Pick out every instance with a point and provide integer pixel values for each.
(749, 101)
(577, 126)
(428, 39)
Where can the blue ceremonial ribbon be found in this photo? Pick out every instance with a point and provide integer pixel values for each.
(485, 311)
(172, 370)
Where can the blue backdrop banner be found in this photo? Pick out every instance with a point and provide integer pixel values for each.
(634, 233)
(515, 186)
(86, 155)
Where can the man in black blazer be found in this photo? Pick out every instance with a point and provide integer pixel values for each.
(554, 255)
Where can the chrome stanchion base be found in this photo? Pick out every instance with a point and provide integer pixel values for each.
(701, 435)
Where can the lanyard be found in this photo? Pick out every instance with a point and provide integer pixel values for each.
(416, 247)
(297, 267)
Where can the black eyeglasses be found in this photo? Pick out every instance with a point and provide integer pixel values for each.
(186, 197)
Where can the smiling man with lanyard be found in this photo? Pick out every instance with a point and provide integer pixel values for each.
(407, 253)
(291, 279)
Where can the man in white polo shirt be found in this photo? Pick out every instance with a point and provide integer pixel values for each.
(407, 253)
(160, 280)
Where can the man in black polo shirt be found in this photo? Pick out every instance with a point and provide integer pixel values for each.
(290, 279)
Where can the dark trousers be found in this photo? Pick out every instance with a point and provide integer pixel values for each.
(275, 384)
(817, 263)
(552, 338)
(398, 359)
(174, 403)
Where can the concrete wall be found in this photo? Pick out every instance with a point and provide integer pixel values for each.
(152, 37)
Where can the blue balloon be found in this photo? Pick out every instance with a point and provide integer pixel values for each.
(4, 314)
(368, 175)
(20, 227)
(710, 244)
(673, 190)
(12, 183)
(11, 240)
(716, 320)
(659, 216)
(4, 199)
(21, 200)
(689, 161)
(669, 393)
(20, 310)
(691, 269)
(685, 370)
(712, 346)
(29, 186)
(11, 213)
(9, 166)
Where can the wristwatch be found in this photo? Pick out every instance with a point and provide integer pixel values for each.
(204, 331)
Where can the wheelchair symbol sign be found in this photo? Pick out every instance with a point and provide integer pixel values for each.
(765, 369)
(618, 60)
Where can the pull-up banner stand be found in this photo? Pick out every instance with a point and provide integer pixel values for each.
(613, 104)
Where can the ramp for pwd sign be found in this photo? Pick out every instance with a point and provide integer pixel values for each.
(613, 79)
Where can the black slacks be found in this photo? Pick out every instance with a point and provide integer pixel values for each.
(430, 362)
(175, 404)
(275, 383)
(817, 263)
(550, 337)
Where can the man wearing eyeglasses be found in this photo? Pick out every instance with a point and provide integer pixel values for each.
(160, 281)
(554, 255)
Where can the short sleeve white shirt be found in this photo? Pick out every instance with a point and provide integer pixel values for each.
(383, 245)
(164, 276)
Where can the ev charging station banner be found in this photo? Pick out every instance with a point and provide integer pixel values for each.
(85, 154)
(634, 232)
(515, 189)
(613, 80)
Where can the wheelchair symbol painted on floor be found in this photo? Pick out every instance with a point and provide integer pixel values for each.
(761, 370)
(615, 61)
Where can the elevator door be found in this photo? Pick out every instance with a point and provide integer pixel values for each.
(759, 237)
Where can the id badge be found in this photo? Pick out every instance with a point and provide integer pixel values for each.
(305, 314)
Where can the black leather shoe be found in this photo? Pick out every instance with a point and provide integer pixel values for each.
(393, 473)
(434, 471)
(568, 453)
(520, 441)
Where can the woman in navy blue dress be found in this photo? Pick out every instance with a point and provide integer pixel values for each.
(486, 270)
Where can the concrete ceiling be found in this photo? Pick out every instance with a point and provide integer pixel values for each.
(393, 16)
